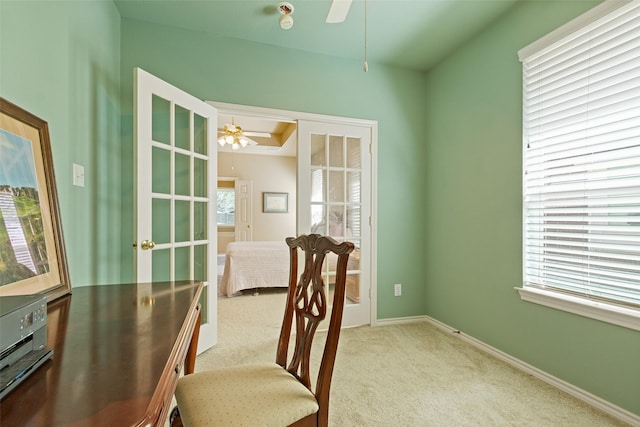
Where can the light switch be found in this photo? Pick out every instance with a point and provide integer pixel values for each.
(78, 175)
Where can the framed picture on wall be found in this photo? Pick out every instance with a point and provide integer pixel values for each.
(275, 202)
(31, 241)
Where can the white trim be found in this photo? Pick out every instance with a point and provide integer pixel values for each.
(401, 320)
(575, 24)
(286, 115)
(583, 395)
(621, 316)
(373, 239)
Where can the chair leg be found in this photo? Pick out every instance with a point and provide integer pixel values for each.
(174, 418)
(308, 421)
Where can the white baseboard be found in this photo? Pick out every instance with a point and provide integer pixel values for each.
(399, 320)
(585, 396)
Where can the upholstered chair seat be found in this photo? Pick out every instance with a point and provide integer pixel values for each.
(244, 395)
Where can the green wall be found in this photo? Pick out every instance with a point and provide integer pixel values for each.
(226, 70)
(474, 213)
(449, 185)
(60, 60)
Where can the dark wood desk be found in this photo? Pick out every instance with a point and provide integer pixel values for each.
(118, 353)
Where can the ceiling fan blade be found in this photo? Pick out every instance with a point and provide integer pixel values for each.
(251, 141)
(338, 11)
(258, 134)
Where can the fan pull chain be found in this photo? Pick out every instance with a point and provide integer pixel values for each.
(366, 65)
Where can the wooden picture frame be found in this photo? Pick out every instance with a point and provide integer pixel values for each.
(31, 240)
(275, 202)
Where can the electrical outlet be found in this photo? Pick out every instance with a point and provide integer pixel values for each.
(397, 289)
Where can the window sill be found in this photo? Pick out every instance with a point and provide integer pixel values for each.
(621, 316)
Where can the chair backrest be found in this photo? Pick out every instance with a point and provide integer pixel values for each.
(307, 303)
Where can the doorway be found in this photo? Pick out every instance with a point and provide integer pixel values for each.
(339, 183)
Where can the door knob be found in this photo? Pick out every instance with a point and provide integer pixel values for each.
(147, 244)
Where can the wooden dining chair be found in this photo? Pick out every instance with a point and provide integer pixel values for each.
(280, 393)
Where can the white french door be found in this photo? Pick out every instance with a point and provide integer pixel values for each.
(175, 201)
(334, 198)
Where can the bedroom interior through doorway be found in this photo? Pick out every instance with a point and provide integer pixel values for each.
(346, 129)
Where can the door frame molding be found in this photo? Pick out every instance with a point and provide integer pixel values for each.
(277, 114)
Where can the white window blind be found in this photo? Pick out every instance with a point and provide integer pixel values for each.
(581, 169)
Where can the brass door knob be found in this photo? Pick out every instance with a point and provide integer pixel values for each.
(147, 245)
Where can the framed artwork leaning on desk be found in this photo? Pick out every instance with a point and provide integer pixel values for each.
(31, 240)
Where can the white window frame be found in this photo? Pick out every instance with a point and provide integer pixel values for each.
(232, 224)
(623, 315)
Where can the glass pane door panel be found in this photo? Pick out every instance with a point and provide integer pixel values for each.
(336, 186)
(204, 305)
(353, 288)
(199, 220)
(160, 120)
(160, 165)
(182, 128)
(182, 264)
(200, 273)
(354, 225)
(318, 184)
(161, 214)
(354, 160)
(161, 262)
(200, 262)
(318, 222)
(336, 223)
(199, 177)
(330, 267)
(318, 150)
(353, 187)
(353, 277)
(182, 221)
(336, 151)
(199, 134)
(182, 175)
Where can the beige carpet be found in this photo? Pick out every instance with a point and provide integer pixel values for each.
(403, 375)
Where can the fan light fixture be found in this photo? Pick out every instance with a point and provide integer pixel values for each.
(286, 9)
(232, 135)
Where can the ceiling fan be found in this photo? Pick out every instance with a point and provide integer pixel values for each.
(233, 135)
(338, 11)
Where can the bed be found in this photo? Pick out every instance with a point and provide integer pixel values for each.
(253, 265)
